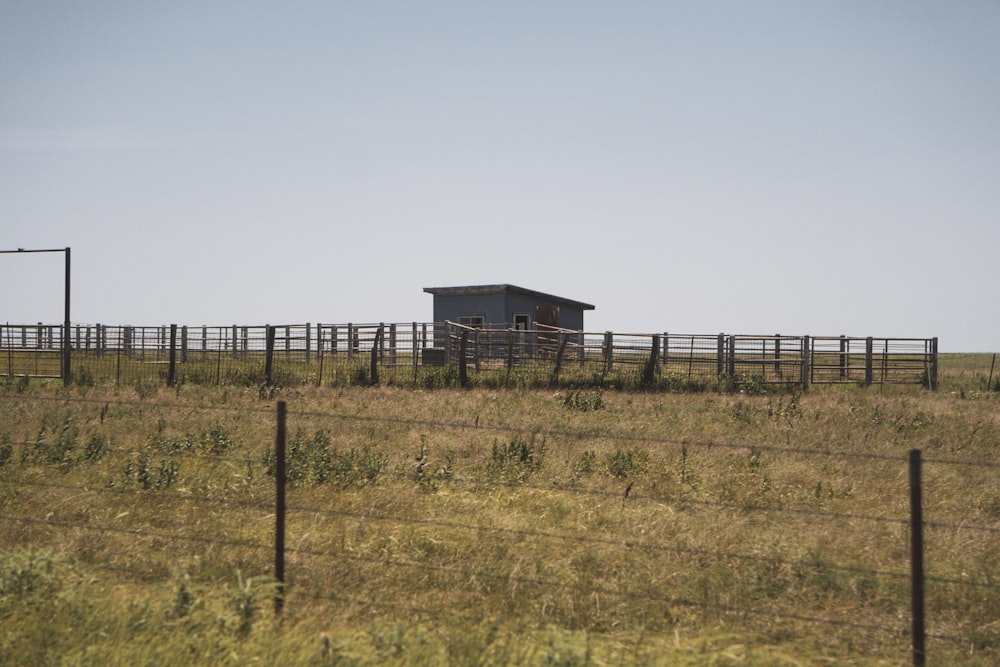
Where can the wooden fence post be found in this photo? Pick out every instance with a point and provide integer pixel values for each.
(560, 349)
(806, 361)
(869, 361)
(392, 344)
(844, 357)
(731, 359)
(172, 356)
(510, 350)
(777, 355)
(308, 341)
(413, 351)
(319, 353)
(932, 377)
(720, 355)
(649, 376)
(475, 352)
(268, 354)
(380, 338)
(609, 351)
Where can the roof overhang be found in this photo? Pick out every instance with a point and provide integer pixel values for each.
(466, 290)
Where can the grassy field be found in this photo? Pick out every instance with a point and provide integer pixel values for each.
(497, 527)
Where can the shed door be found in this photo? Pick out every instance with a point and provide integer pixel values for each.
(547, 316)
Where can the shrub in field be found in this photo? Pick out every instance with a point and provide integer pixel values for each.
(515, 460)
(312, 459)
(217, 441)
(627, 463)
(584, 401)
(586, 464)
(83, 377)
(96, 447)
(6, 449)
(140, 470)
(423, 474)
(29, 574)
(52, 445)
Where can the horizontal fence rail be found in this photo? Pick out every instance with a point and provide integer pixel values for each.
(447, 353)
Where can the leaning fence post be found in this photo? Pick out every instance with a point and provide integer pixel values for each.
(319, 353)
(917, 559)
(279, 507)
(376, 346)
(560, 349)
(649, 375)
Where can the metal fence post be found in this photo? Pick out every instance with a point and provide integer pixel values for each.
(917, 559)
(279, 508)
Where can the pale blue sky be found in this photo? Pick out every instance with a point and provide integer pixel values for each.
(817, 168)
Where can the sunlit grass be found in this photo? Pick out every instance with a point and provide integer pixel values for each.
(493, 526)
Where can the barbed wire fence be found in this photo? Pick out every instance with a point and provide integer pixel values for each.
(443, 574)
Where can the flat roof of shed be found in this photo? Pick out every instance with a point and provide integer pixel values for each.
(501, 289)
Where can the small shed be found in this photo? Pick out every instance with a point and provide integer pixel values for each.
(506, 306)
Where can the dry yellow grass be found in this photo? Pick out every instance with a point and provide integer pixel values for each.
(497, 527)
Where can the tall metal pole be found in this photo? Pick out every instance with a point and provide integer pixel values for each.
(67, 378)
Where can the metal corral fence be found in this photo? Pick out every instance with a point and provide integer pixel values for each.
(445, 353)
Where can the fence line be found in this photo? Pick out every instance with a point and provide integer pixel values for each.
(423, 353)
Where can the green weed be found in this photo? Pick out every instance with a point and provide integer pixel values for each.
(515, 460)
